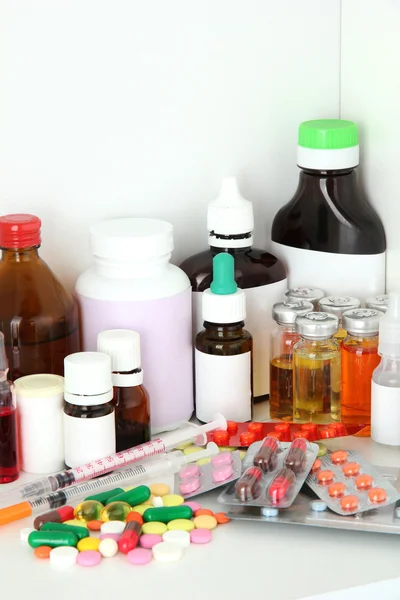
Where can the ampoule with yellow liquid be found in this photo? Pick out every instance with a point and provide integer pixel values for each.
(337, 305)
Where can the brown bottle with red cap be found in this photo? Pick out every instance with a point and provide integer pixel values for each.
(38, 317)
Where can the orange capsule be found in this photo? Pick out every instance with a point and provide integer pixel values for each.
(349, 503)
(94, 525)
(203, 511)
(377, 495)
(339, 457)
(351, 469)
(364, 482)
(134, 516)
(221, 518)
(325, 477)
(42, 551)
(337, 490)
(316, 466)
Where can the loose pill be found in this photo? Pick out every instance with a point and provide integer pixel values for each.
(90, 543)
(266, 458)
(181, 524)
(129, 537)
(110, 536)
(88, 510)
(108, 548)
(222, 473)
(75, 523)
(42, 551)
(115, 511)
(316, 466)
(337, 490)
(351, 469)
(134, 516)
(203, 511)
(188, 486)
(154, 527)
(248, 486)
(159, 489)
(177, 536)
(205, 522)
(193, 505)
(157, 501)
(25, 533)
(364, 482)
(80, 532)
(94, 525)
(64, 513)
(113, 527)
(223, 458)
(140, 556)
(167, 552)
(189, 471)
(89, 558)
(137, 495)
(200, 536)
(318, 506)
(325, 477)
(52, 538)
(140, 508)
(339, 457)
(148, 540)
(105, 497)
(349, 503)
(64, 556)
(377, 495)
(167, 513)
(222, 518)
(173, 500)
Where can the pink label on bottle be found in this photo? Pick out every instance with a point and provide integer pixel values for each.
(165, 328)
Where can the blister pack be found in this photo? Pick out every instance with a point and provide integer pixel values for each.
(194, 479)
(348, 484)
(273, 473)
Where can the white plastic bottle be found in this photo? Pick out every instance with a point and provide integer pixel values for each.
(385, 392)
(132, 285)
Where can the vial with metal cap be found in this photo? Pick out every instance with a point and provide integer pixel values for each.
(316, 358)
(359, 360)
(337, 305)
(283, 338)
(313, 295)
(380, 302)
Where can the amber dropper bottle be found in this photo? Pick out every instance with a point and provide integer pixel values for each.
(131, 400)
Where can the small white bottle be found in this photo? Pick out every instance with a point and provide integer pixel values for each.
(385, 391)
(89, 417)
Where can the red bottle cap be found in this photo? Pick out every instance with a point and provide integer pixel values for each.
(19, 231)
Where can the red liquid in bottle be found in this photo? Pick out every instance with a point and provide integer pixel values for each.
(9, 468)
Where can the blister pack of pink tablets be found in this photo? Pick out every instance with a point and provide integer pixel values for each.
(194, 479)
(273, 473)
(348, 484)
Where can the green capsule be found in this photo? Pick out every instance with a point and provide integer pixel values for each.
(165, 514)
(133, 497)
(80, 532)
(52, 539)
(115, 511)
(88, 510)
(105, 497)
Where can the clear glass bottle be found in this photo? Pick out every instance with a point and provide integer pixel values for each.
(38, 317)
(312, 295)
(9, 459)
(316, 386)
(359, 360)
(337, 305)
(283, 338)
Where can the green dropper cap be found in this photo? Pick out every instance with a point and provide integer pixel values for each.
(223, 282)
(328, 134)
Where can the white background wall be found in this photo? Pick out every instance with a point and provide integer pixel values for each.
(370, 94)
(113, 108)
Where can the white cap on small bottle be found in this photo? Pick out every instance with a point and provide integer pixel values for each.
(230, 215)
(123, 347)
(87, 379)
(224, 309)
(389, 328)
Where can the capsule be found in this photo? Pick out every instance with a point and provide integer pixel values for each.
(129, 537)
(80, 532)
(52, 539)
(133, 497)
(105, 497)
(59, 515)
(267, 456)
(88, 510)
(279, 486)
(296, 457)
(164, 514)
(248, 487)
(115, 511)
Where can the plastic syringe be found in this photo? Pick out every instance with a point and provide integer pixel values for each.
(171, 463)
(69, 477)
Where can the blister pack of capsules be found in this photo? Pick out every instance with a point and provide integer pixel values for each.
(194, 479)
(273, 473)
(242, 435)
(348, 484)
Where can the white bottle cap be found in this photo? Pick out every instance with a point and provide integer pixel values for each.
(132, 239)
(230, 215)
(123, 347)
(223, 302)
(87, 379)
(389, 328)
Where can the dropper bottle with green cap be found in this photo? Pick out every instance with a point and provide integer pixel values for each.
(223, 354)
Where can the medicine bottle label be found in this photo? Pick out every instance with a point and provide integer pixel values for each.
(259, 322)
(359, 275)
(86, 440)
(223, 385)
(385, 414)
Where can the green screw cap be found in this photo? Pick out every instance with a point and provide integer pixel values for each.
(223, 282)
(328, 134)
